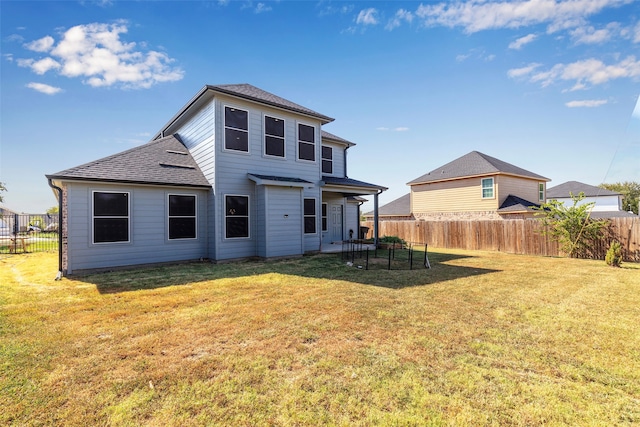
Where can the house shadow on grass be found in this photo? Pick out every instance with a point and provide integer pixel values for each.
(321, 266)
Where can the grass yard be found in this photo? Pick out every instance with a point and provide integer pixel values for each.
(480, 339)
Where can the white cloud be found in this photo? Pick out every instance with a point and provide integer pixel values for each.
(589, 103)
(262, 7)
(517, 44)
(43, 88)
(589, 71)
(479, 15)
(523, 71)
(96, 53)
(589, 35)
(400, 17)
(398, 129)
(41, 45)
(367, 17)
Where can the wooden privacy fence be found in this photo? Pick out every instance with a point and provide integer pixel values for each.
(517, 236)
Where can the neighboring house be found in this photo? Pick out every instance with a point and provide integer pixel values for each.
(607, 203)
(396, 210)
(476, 186)
(238, 172)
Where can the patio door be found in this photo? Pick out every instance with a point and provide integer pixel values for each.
(336, 223)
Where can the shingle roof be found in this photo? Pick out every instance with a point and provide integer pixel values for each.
(566, 189)
(332, 137)
(474, 164)
(349, 182)
(398, 207)
(253, 93)
(164, 161)
(516, 204)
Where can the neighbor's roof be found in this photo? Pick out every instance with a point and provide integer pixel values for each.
(514, 204)
(164, 161)
(398, 207)
(574, 187)
(474, 164)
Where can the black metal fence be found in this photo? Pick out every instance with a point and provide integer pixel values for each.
(23, 233)
(395, 256)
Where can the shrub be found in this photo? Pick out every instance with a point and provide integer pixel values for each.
(392, 239)
(614, 254)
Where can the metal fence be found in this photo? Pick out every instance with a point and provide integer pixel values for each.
(394, 256)
(24, 233)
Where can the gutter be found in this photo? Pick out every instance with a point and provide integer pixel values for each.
(59, 190)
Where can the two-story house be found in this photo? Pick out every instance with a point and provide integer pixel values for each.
(238, 172)
(606, 203)
(476, 186)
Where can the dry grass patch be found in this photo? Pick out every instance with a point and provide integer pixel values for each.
(480, 339)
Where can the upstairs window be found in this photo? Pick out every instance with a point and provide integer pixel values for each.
(236, 129)
(182, 216)
(309, 216)
(541, 192)
(306, 142)
(327, 160)
(487, 188)
(110, 217)
(273, 136)
(236, 212)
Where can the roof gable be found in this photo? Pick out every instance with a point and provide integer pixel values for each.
(565, 190)
(474, 164)
(252, 93)
(164, 161)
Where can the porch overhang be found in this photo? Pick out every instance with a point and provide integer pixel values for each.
(349, 187)
(280, 181)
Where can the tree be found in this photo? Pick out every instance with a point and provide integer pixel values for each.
(53, 210)
(2, 188)
(572, 227)
(630, 191)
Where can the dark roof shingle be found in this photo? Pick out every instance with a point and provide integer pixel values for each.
(474, 164)
(165, 161)
(565, 190)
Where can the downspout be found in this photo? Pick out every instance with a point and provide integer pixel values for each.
(59, 190)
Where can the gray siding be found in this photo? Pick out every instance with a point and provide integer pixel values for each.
(148, 229)
(351, 219)
(283, 221)
(232, 169)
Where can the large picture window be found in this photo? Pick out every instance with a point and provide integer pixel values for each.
(487, 188)
(236, 129)
(236, 213)
(327, 160)
(306, 142)
(182, 216)
(273, 136)
(110, 217)
(309, 216)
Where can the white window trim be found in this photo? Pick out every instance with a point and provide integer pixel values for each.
(248, 217)
(493, 188)
(322, 159)
(541, 192)
(315, 143)
(315, 215)
(224, 133)
(93, 217)
(264, 137)
(195, 196)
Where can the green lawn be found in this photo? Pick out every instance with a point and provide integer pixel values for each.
(482, 338)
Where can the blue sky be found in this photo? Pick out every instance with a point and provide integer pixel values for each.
(548, 85)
